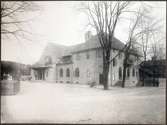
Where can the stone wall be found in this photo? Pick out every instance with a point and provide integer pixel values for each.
(114, 74)
(50, 73)
(90, 64)
(88, 67)
(10, 87)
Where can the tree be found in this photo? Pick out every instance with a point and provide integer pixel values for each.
(151, 27)
(158, 50)
(103, 17)
(142, 29)
(129, 46)
(11, 13)
(136, 31)
(12, 19)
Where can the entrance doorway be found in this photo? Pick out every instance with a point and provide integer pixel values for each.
(41, 74)
(101, 78)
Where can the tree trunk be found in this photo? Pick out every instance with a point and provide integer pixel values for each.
(124, 69)
(106, 64)
(105, 76)
(145, 56)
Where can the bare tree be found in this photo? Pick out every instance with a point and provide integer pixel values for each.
(142, 30)
(11, 13)
(151, 27)
(158, 48)
(103, 17)
(129, 46)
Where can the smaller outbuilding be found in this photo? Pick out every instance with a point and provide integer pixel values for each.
(153, 73)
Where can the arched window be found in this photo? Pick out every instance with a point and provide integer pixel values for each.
(128, 72)
(114, 62)
(68, 72)
(48, 60)
(61, 72)
(133, 72)
(120, 73)
(77, 72)
(136, 73)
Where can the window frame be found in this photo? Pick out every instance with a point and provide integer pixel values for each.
(114, 62)
(77, 73)
(128, 72)
(67, 72)
(61, 72)
(120, 73)
(133, 72)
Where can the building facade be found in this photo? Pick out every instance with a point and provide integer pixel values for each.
(83, 64)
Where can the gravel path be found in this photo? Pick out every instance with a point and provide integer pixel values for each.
(70, 103)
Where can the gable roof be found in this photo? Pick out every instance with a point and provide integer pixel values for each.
(56, 51)
(53, 50)
(94, 43)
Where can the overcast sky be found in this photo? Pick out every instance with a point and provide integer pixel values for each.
(59, 22)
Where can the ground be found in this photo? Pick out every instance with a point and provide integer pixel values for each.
(44, 102)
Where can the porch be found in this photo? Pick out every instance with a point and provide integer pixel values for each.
(40, 72)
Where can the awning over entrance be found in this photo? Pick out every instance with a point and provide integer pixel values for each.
(40, 71)
(40, 67)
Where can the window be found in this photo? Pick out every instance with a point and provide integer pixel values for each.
(136, 73)
(77, 56)
(133, 72)
(128, 72)
(77, 72)
(68, 72)
(61, 72)
(48, 60)
(137, 58)
(98, 53)
(120, 73)
(114, 62)
(120, 55)
(47, 73)
(87, 55)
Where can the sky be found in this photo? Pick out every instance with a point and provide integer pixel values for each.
(59, 22)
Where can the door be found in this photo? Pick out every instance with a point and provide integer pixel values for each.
(101, 78)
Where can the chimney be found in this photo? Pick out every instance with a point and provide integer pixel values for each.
(88, 35)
